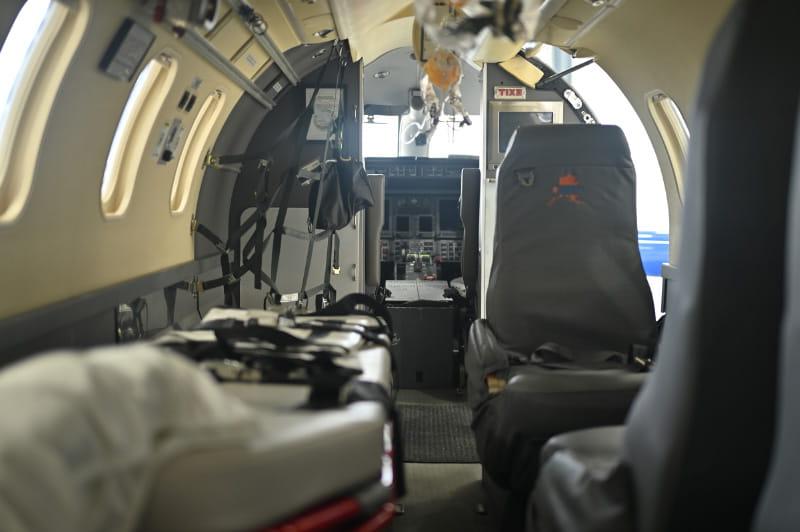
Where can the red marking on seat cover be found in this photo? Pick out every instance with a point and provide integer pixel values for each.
(568, 189)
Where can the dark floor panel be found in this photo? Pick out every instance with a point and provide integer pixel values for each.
(442, 498)
(437, 433)
(433, 396)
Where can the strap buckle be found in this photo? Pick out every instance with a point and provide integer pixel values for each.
(290, 298)
(196, 287)
(526, 177)
(640, 357)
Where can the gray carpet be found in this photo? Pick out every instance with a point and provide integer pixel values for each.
(442, 498)
(437, 432)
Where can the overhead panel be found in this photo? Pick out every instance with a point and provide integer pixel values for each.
(251, 58)
(382, 39)
(225, 11)
(279, 27)
(230, 36)
(304, 9)
(236, 41)
(356, 17)
(320, 29)
(563, 23)
(314, 19)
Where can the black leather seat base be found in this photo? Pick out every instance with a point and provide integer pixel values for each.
(512, 427)
(584, 484)
(537, 403)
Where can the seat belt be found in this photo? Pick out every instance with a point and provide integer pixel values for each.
(328, 293)
(287, 183)
(231, 272)
(555, 356)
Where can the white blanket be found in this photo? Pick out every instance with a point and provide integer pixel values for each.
(81, 434)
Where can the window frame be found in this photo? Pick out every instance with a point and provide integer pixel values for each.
(194, 148)
(31, 100)
(674, 132)
(145, 101)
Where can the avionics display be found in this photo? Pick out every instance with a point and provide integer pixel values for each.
(449, 216)
(425, 224)
(511, 121)
(401, 224)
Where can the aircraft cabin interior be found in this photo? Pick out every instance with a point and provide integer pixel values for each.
(399, 265)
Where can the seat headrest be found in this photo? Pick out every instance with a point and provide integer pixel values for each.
(566, 266)
(576, 144)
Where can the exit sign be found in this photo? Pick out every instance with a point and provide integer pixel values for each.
(509, 93)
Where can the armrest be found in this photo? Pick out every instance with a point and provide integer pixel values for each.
(537, 380)
(583, 484)
(602, 443)
(485, 356)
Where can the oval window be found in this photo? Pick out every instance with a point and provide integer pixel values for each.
(130, 139)
(194, 150)
(27, 97)
(674, 132)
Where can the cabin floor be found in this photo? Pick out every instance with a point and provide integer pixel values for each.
(443, 475)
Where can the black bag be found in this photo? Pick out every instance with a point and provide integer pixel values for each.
(345, 191)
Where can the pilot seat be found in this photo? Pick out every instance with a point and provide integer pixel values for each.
(568, 305)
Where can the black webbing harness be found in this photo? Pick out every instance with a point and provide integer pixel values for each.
(232, 268)
(326, 292)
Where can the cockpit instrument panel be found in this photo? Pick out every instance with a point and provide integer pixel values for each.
(422, 232)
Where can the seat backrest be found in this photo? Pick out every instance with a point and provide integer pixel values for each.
(470, 213)
(700, 433)
(779, 508)
(566, 266)
(372, 238)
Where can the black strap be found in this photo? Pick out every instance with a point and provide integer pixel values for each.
(328, 292)
(170, 296)
(261, 154)
(342, 326)
(555, 356)
(300, 125)
(353, 304)
(320, 371)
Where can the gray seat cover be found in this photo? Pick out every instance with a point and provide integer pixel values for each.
(566, 265)
(779, 509)
(566, 270)
(470, 211)
(700, 434)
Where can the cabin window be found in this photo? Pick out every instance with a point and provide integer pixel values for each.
(674, 132)
(194, 150)
(452, 139)
(380, 135)
(26, 101)
(133, 130)
(383, 134)
(610, 106)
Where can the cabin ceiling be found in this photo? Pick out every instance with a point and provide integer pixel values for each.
(357, 21)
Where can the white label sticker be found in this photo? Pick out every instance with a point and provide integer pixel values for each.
(509, 93)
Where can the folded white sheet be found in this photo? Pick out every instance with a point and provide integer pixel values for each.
(82, 434)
